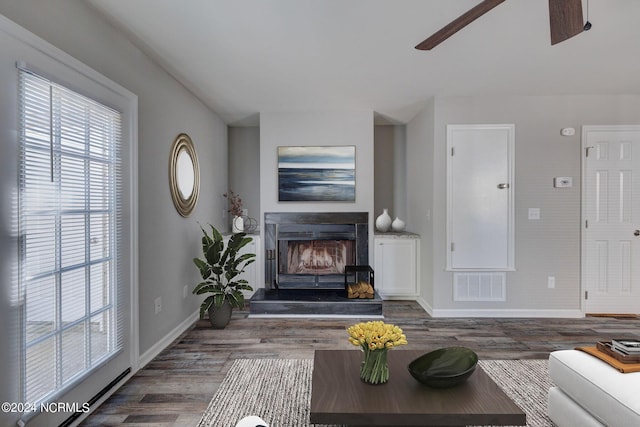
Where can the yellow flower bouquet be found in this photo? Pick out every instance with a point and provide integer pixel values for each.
(375, 339)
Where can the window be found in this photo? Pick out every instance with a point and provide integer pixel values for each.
(69, 216)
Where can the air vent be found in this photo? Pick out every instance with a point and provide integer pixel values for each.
(479, 286)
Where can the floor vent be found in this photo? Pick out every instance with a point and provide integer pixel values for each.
(479, 286)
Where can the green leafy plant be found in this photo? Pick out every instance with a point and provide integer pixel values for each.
(220, 268)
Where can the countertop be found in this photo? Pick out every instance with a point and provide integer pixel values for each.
(397, 234)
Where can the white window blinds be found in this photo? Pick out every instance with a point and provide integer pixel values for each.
(70, 235)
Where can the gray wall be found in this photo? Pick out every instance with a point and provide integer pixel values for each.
(167, 242)
(317, 128)
(389, 165)
(548, 247)
(420, 187)
(244, 167)
(383, 166)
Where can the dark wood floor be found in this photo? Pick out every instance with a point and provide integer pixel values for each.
(176, 387)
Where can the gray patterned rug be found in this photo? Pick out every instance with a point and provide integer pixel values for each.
(279, 391)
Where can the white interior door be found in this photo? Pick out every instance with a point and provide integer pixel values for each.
(480, 197)
(611, 210)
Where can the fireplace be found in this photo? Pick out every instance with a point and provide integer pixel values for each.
(316, 257)
(310, 250)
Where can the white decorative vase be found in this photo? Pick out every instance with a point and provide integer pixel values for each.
(237, 224)
(383, 222)
(397, 225)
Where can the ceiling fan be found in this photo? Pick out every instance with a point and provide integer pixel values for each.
(565, 18)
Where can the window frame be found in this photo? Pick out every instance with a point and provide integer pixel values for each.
(21, 47)
(34, 116)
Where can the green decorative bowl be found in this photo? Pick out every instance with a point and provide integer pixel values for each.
(445, 367)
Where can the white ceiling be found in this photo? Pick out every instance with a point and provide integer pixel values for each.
(242, 57)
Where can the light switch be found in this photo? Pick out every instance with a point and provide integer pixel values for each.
(534, 213)
(563, 182)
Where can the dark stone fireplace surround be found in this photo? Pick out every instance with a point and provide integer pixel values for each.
(343, 234)
(284, 227)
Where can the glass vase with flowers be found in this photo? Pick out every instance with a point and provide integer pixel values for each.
(375, 339)
(235, 209)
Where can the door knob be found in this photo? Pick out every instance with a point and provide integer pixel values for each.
(636, 233)
(503, 186)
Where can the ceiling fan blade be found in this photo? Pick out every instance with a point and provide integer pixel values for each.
(565, 19)
(458, 24)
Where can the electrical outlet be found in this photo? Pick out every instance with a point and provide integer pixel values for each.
(158, 303)
(551, 282)
(534, 213)
(185, 291)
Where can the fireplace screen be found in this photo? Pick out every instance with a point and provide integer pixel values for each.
(309, 250)
(318, 257)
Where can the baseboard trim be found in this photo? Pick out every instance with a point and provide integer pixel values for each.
(425, 306)
(498, 313)
(502, 313)
(102, 399)
(150, 354)
(143, 360)
(315, 316)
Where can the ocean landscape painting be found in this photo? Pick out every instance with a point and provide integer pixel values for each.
(326, 174)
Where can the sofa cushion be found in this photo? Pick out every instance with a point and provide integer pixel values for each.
(613, 398)
(565, 412)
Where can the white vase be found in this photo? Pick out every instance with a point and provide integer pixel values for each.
(237, 224)
(383, 222)
(397, 225)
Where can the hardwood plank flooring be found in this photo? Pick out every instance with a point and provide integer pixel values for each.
(175, 388)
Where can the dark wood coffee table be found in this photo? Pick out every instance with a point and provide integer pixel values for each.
(339, 396)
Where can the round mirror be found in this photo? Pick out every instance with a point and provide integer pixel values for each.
(184, 175)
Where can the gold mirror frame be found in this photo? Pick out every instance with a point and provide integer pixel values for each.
(184, 205)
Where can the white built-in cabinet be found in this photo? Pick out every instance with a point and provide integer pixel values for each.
(396, 265)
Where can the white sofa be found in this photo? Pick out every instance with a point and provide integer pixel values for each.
(589, 392)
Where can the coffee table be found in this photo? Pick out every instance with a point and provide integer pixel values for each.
(339, 396)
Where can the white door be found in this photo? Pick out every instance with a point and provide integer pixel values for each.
(611, 210)
(480, 197)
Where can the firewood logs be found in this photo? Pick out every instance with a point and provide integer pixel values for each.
(360, 290)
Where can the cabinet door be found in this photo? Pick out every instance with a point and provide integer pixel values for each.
(396, 270)
(480, 197)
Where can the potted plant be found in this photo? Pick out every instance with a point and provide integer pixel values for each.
(220, 268)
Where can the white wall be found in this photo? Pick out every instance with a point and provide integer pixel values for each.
(317, 129)
(547, 247)
(167, 242)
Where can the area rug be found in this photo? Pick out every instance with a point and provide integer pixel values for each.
(279, 391)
